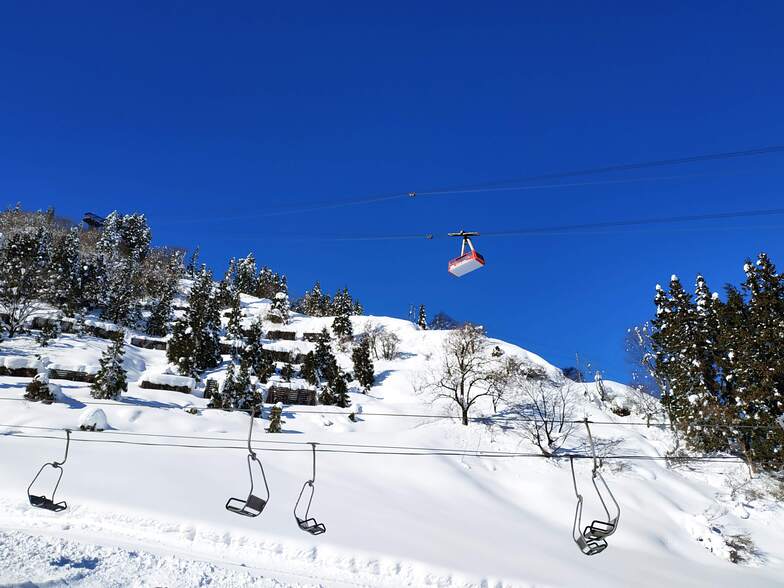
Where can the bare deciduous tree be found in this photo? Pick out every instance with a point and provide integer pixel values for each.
(465, 371)
(549, 410)
(645, 403)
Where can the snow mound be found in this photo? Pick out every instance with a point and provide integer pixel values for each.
(93, 419)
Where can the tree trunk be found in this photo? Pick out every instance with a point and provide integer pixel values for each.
(465, 416)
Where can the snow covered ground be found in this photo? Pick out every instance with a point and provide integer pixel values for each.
(142, 515)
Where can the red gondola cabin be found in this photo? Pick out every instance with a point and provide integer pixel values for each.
(467, 262)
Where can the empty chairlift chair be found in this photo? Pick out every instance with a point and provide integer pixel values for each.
(253, 505)
(592, 539)
(41, 501)
(306, 522)
(467, 262)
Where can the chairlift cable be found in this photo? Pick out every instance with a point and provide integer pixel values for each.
(409, 452)
(491, 419)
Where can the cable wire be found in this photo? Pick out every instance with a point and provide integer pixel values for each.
(491, 419)
(404, 451)
(523, 183)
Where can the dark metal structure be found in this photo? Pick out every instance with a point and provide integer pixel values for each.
(93, 221)
(253, 505)
(593, 538)
(306, 522)
(41, 501)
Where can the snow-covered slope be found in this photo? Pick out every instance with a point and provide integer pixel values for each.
(140, 515)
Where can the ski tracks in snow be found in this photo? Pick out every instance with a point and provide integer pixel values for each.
(87, 548)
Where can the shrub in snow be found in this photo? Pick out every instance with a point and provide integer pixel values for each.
(275, 414)
(93, 419)
(50, 330)
(388, 344)
(110, 381)
(210, 388)
(41, 390)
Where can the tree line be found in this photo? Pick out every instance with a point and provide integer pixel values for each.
(718, 363)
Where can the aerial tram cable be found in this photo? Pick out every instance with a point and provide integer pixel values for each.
(40, 500)
(253, 505)
(306, 522)
(502, 185)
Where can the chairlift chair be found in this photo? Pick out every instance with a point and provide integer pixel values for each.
(41, 501)
(306, 522)
(253, 505)
(467, 262)
(592, 539)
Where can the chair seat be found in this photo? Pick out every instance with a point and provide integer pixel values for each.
(590, 545)
(47, 504)
(599, 529)
(311, 526)
(251, 507)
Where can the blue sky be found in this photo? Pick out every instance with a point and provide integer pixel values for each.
(192, 112)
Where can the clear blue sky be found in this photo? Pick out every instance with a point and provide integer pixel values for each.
(191, 112)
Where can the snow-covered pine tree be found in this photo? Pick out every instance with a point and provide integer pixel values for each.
(281, 308)
(325, 362)
(211, 389)
(193, 263)
(234, 326)
(110, 381)
(136, 236)
(195, 342)
(422, 319)
(161, 313)
(253, 353)
(342, 308)
(226, 289)
(363, 365)
(24, 258)
(245, 278)
(64, 287)
(761, 364)
(309, 371)
(120, 300)
(340, 391)
(247, 395)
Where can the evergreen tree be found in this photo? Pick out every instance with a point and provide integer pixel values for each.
(363, 365)
(234, 327)
(226, 289)
(315, 302)
(325, 362)
(195, 343)
(193, 263)
(340, 391)
(342, 307)
(281, 307)
(64, 288)
(422, 320)
(24, 258)
(161, 314)
(211, 389)
(309, 371)
(245, 278)
(253, 353)
(110, 381)
(120, 300)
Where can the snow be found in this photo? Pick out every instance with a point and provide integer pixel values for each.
(168, 380)
(93, 418)
(140, 515)
(14, 362)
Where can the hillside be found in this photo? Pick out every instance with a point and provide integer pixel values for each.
(144, 515)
